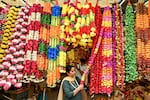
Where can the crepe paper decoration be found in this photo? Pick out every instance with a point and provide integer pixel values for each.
(13, 62)
(131, 73)
(31, 72)
(114, 43)
(44, 37)
(104, 39)
(120, 63)
(95, 71)
(3, 16)
(53, 71)
(9, 27)
(142, 25)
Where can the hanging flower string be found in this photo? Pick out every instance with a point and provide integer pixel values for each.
(120, 63)
(114, 18)
(31, 71)
(130, 49)
(8, 60)
(142, 25)
(53, 75)
(106, 39)
(3, 16)
(44, 37)
(95, 71)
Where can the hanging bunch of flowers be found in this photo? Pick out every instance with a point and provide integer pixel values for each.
(130, 49)
(95, 79)
(31, 72)
(107, 53)
(3, 16)
(44, 37)
(120, 63)
(8, 30)
(87, 29)
(53, 75)
(143, 55)
(12, 65)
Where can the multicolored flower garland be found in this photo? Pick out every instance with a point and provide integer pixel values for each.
(53, 50)
(104, 41)
(10, 69)
(44, 37)
(31, 71)
(120, 65)
(3, 16)
(95, 71)
(8, 31)
(143, 44)
(131, 73)
(107, 53)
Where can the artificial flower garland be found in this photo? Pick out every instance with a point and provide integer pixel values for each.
(95, 71)
(53, 75)
(8, 31)
(107, 53)
(11, 73)
(130, 49)
(114, 28)
(31, 71)
(105, 38)
(3, 16)
(120, 63)
(143, 44)
(44, 37)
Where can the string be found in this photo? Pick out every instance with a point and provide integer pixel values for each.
(129, 3)
(107, 2)
(76, 2)
(86, 2)
(36, 1)
(97, 2)
(56, 2)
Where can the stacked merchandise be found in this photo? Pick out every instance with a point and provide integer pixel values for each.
(12, 51)
(95, 81)
(53, 75)
(130, 45)
(143, 44)
(44, 37)
(31, 71)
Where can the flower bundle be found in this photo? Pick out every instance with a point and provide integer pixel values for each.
(120, 63)
(44, 37)
(114, 28)
(53, 75)
(3, 16)
(12, 65)
(8, 30)
(130, 49)
(95, 80)
(107, 53)
(105, 44)
(31, 72)
(71, 21)
(143, 44)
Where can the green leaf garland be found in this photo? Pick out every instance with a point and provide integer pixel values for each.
(130, 46)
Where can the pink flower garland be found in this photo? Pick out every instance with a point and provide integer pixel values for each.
(13, 62)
